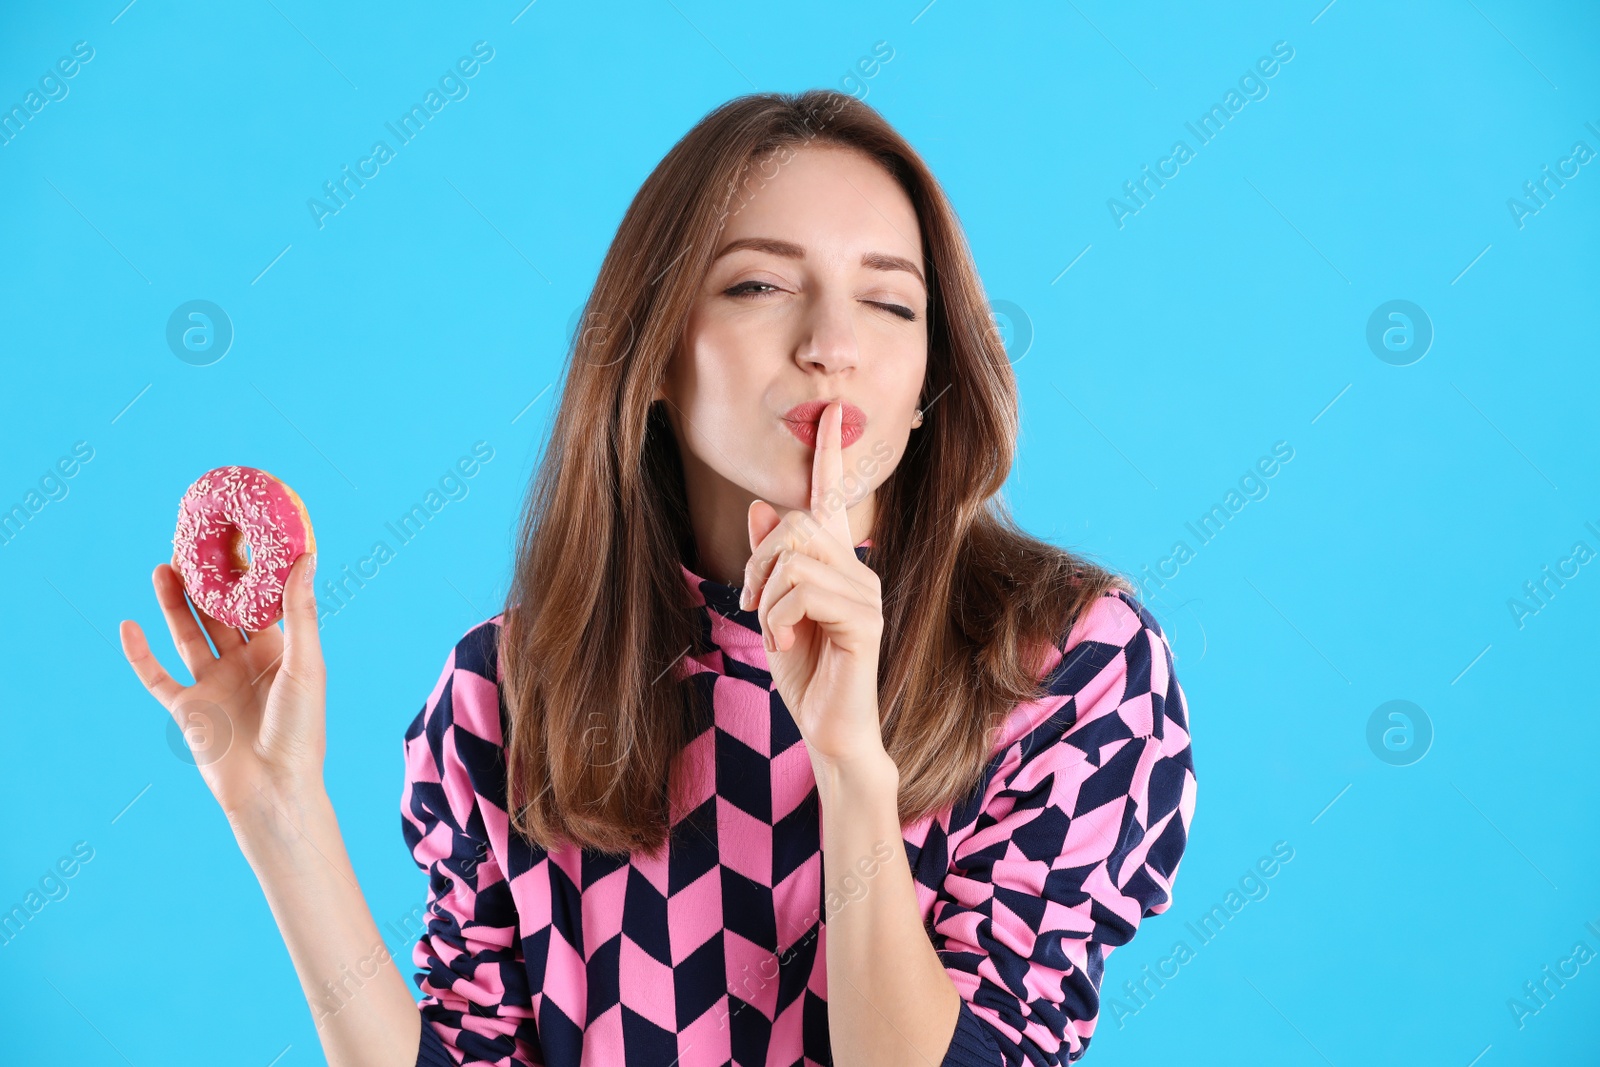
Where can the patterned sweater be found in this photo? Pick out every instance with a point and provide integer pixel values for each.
(713, 953)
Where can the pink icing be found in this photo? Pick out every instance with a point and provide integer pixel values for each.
(222, 512)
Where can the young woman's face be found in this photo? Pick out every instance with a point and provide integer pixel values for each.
(831, 305)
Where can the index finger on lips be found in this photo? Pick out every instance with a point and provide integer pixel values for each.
(827, 478)
(822, 529)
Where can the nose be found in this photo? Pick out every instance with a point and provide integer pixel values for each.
(828, 336)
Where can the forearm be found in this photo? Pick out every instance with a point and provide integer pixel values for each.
(890, 1000)
(363, 1010)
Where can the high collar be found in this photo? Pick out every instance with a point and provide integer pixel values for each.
(732, 627)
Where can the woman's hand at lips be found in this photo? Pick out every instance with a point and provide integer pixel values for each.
(802, 421)
(820, 609)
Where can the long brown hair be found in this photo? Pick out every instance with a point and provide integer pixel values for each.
(598, 614)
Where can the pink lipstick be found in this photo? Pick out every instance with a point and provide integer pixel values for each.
(802, 421)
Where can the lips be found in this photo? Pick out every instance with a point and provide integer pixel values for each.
(802, 422)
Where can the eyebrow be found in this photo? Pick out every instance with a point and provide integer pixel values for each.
(790, 250)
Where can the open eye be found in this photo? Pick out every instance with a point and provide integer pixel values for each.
(743, 289)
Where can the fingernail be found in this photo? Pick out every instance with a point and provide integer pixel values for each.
(311, 569)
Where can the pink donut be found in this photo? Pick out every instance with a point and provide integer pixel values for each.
(224, 511)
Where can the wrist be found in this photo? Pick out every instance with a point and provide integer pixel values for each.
(280, 822)
(871, 773)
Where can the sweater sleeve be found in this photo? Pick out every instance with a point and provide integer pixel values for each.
(1079, 837)
(476, 1005)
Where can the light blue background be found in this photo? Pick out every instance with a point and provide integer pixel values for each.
(1230, 313)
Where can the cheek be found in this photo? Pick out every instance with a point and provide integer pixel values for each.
(898, 376)
(735, 337)
(720, 388)
(732, 365)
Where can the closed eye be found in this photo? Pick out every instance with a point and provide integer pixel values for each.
(743, 289)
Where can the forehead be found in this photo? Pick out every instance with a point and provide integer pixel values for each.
(832, 200)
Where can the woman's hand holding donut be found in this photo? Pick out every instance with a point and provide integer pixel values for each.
(254, 718)
(821, 612)
(254, 721)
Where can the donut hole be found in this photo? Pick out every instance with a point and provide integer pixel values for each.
(240, 553)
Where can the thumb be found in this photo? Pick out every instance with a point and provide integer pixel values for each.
(302, 648)
(761, 519)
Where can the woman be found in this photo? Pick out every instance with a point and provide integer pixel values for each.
(787, 745)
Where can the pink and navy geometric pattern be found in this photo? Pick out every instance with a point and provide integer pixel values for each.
(712, 953)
